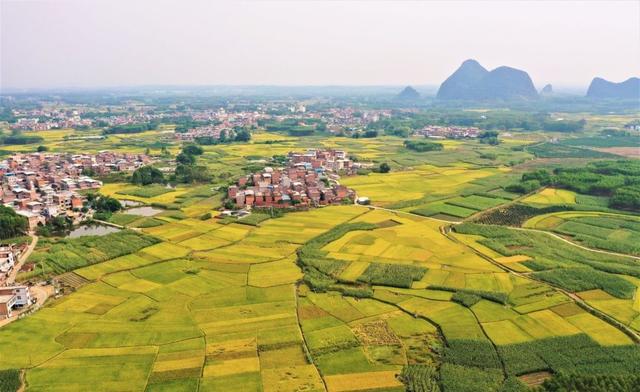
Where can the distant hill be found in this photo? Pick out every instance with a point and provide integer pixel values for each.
(463, 81)
(408, 94)
(601, 89)
(473, 82)
(547, 90)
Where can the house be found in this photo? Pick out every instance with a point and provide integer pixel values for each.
(7, 258)
(21, 293)
(7, 302)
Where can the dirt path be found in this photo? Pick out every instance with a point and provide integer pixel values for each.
(635, 336)
(23, 381)
(23, 258)
(576, 245)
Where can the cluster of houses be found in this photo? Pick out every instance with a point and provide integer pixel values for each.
(41, 185)
(222, 121)
(309, 179)
(47, 120)
(448, 132)
(350, 119)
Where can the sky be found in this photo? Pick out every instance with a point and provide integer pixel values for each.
(96, 43)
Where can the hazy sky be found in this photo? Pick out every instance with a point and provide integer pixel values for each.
(88, 43)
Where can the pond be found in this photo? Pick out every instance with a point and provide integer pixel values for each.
(93, 229)
(143, 211)
(129, 203)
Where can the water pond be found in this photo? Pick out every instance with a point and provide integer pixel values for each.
(143, 211)
(93, 229)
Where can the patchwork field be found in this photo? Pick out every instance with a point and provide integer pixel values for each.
(342, 298)
(613, 232)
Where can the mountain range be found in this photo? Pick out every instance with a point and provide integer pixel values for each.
(604, 89)
(471, 81)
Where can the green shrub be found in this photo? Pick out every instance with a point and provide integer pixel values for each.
(592, 383)
(456, 378)
(500, 298)
(581, 279)
(422, 145)
(420, 378)
(466, 299)
(10, 380)
(472, 353)
(396, 275)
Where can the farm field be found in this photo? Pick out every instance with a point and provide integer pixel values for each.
(181, 314)
(612, 232)
(411, 292)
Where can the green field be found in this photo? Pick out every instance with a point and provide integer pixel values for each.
(390, 297)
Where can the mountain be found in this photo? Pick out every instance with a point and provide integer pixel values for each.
(602, 89)
(463, 81)
(409, 94)
(547, 90)
(473, 82)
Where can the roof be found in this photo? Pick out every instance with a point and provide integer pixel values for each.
(6, 298)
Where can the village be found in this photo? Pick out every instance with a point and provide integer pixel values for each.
(40, 186)
(448, 132)
(308, 179)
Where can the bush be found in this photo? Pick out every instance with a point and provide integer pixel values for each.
(396, 275)
(147, 175)
(11, 224)
(456, 378)
(592, 383)
(472, 353)
(20, 139)
(422, 145)
(420, 378)
(465, 299)
(130, 128)
(10, 380)
(192, 149)
(578, 354)
(516, 214)
(523, 187)
(581, 279)
(500, 298)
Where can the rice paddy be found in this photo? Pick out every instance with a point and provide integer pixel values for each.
(212, 305)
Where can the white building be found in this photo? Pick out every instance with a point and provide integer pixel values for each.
(21, 293)
(7, 258)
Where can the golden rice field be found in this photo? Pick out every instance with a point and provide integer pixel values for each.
(552, 196)
(227, 306)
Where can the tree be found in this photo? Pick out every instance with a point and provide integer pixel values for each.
(11, 224)
(370, 134)
(185, 159)
(190, 173)
(147, 175)
(384, 167)
(89, 172)
(192, 149)
(243, 136)
(104, 203)
(42, 148)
